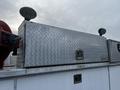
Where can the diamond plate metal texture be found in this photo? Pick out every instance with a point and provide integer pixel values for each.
(114, 54)
(21, 50)
(48, 45)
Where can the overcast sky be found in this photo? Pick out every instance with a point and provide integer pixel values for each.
(81, 15)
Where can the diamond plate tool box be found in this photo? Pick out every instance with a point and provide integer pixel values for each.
(114, 50)
(44, 45)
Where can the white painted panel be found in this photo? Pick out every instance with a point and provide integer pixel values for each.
(6, 84)
(92, 79)
(115, 77)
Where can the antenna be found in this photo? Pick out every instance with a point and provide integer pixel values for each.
(28, 13)
(102, 31)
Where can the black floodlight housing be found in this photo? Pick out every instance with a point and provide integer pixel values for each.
(102, 31)
(28, 13)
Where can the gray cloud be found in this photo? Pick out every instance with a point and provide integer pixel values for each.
(80, 15)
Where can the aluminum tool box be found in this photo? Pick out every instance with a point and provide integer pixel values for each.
(44, 45)
(114, 50)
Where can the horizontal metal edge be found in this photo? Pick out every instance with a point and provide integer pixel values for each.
(12, 73)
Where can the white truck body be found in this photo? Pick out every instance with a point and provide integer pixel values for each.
(103, 74)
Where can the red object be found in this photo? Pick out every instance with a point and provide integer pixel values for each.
(4, 27)
(5, 44)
